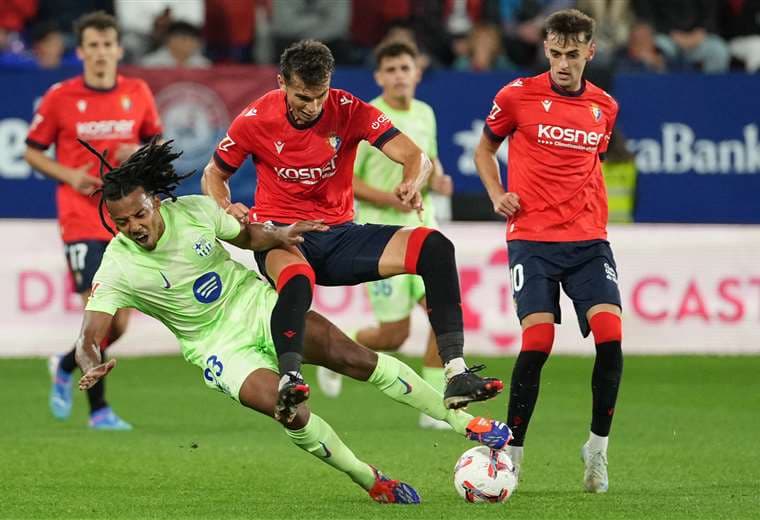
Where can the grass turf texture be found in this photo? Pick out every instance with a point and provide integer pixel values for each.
(684, 445)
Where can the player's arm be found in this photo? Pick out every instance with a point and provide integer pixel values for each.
(416, 165)
(504, 203)
(94, 328)
(77, 178)
(215, 183)
(261, 237)
(380, 198)
(440, 182)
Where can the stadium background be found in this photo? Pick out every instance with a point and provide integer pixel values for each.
(683, 443)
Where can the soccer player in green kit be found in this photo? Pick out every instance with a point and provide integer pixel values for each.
(167, 261)
(375, 177)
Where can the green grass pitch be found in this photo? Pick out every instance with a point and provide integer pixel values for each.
(685, 444)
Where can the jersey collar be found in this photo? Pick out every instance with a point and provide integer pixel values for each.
(98, 89)
(566, 93)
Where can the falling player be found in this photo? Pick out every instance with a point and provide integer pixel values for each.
(168, 262)
(558, 125)
(302, 139)
(114, 113)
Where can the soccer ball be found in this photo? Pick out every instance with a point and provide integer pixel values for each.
(484, 475)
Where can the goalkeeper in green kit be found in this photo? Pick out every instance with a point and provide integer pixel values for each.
(167, 261)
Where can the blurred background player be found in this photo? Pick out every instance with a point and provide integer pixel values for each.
(115, 114)
(303, 139)
(558, 126)
(219, 311)
(393, 299)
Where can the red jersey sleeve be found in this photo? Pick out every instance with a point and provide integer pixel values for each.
(369, 122)
(609, 127)
(232, 151)
(151, 125)
(502, 120)
(45, 125)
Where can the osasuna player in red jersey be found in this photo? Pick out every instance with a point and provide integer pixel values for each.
(303, 139)
(558, 125)
(112, 113)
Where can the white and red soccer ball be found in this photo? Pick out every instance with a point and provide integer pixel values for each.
(484, 475)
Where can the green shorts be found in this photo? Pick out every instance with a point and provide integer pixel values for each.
(394, 298)
(239, 343)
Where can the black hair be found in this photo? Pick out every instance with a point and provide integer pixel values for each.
(393, 49)
(181, 28)
(567, 24)
(150, 168)
(310, 60)
(99, 20)
(42, 30)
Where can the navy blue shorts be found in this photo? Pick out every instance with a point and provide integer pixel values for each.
(586, 270)
(84, 258)
(346, 254)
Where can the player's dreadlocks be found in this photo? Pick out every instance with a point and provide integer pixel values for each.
(150, 167)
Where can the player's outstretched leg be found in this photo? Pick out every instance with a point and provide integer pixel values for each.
(537, 341)
(311, 433)
(605, 381)
(295, 285)
(431, 255)
(326, 345)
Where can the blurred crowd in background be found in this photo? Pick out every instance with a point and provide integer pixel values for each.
(653, 36)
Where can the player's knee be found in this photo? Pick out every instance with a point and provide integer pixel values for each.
(296, 273)
(437, 244)
(606, 327)
(427, 247)
(538, 338)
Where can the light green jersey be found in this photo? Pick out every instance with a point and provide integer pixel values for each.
(379, 172)
(188, 282)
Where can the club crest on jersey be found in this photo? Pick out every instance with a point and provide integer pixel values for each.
(334, 142)
(203, 246)
(81, 105)
(596, 112)
(126, 103)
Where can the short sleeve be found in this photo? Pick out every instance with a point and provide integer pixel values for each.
(226, 227)
(609, 127)
(45, 125)
(360, 163)
(369, 123)
(151, 125)
(232, 151)
(110, 288)
(502, 119)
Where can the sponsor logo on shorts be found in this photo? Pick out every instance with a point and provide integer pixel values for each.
(208, 288)
(610, 272)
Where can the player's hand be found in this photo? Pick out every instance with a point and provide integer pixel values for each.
(292, 234)
(83, 182)
(507, 205)
(239, 211)
(95, 374)
(442, 184)
(124, 151)
(409, 195)
(392, 201)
